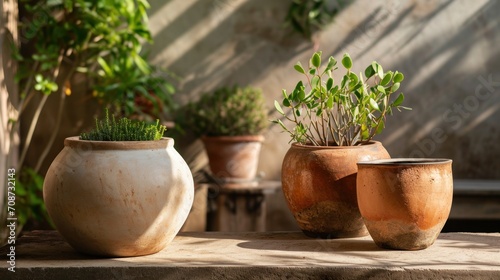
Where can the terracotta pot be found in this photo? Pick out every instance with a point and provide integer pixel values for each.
(120, 199)
(405, 202)
(319, 184)
(233, 157)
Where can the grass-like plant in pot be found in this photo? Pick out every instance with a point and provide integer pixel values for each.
(119, 190)
(334, 119)
(230, 122)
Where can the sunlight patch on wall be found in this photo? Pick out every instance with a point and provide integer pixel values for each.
(479, 119)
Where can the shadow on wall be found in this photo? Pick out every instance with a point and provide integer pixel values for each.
(452, 81)
(452, 74)
(454, 92)
(240, 41)
(448, 51)
(216, 43)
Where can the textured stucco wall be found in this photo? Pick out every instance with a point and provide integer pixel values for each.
(448, 51)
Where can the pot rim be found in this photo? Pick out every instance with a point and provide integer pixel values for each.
(75, 141)
(235, 138)
(306, 146)
(405, 161)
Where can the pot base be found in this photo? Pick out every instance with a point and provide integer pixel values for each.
(333, 235)
(331, 219)
(398, 235)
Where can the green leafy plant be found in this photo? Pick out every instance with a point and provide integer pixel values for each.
(110, 129)
(101, 39)
(307, 16)
(62, 38)
(228, 111)
(29, 187)
(348, 112)
(142, 92)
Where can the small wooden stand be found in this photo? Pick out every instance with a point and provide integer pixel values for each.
(239, 207)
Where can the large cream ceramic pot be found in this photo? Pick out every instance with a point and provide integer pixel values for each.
(124, 198)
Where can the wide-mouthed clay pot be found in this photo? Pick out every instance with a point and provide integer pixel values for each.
(126, 198)
(405, 202)
(233, 158)
(319, 184)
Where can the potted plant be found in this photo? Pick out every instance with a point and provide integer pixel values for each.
(334, 123)
(61, 43)
(230, 122)
(119, 190)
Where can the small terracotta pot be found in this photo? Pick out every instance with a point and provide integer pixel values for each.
(319, 184)
(122, 199)
(405, 202)
(234, 158)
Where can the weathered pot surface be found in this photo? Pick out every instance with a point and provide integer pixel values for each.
(405, 202)
(319, 184)
(233, 158)
(126, 198)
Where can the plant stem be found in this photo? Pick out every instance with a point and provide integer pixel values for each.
(36, 116)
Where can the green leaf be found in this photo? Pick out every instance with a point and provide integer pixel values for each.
(141, 64)
(335, 89)
(398, 100)
(374, 104)
(278, 107)
(286, 102)
(329, 84)
(295, 95)
(104, 65)
(358, 94)
(387, 78)
(283, 91)
(344, 81)
(299, 86)
(395, 87)
(316, 93)
(369, 71)
(381, 89)
(316, 59)
(398, 77)
(281, 124)
(380, 71)
(356, 87)
(299, 68)
(355, 113)
(331, 63)
(315, 81)
(353, 79)
(312, 71)
(319, 112)
(380, 127)
(365, 133)
(52, 86)
(301, 95)
(347, 61)
(329, 102)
